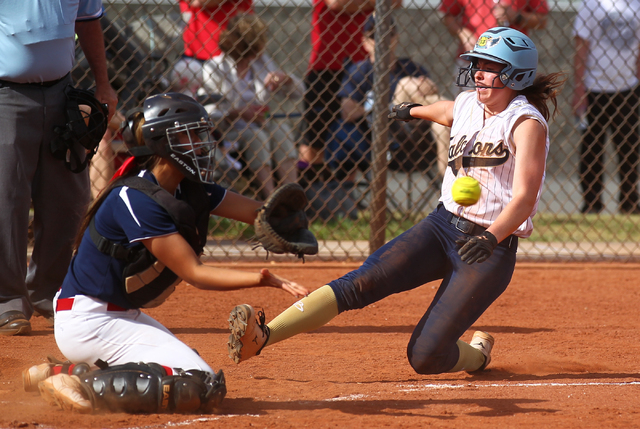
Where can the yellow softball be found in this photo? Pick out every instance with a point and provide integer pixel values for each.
(465, 191)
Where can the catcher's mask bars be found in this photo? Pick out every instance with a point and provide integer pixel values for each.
(176, 127)
(77, 141)
(506, 46)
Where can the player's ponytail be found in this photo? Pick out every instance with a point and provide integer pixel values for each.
(133, 168)
(545, 88)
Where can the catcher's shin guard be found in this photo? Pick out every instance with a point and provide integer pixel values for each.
(248, 335)
(146, 388)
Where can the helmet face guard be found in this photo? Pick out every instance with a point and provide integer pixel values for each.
(467, 77)
(192, 150)
(504, 46)
(176, 127)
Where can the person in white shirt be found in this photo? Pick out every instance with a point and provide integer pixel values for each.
(607, 41)
(248, 79)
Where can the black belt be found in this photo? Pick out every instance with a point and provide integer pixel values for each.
(47, 84)
(468, 227)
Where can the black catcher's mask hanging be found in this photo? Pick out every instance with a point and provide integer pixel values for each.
(77, 141)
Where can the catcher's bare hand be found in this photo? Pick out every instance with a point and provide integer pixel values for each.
(269, 279)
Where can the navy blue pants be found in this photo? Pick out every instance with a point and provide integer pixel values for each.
(422, 254)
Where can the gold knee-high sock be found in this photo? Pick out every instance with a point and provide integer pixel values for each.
(470, 358)
(310, 313)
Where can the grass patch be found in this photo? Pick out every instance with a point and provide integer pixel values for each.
(547, 228)
(590, 228)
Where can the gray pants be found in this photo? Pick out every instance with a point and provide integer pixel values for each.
(29, 173)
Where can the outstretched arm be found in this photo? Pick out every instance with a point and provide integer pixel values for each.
(237, 207)
(440, 112)
(174, 252)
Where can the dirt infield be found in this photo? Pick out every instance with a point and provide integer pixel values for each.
(566, 355)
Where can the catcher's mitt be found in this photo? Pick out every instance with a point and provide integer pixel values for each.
(282, 225)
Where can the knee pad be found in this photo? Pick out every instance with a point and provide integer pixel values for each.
(146, 388)
(80, 369)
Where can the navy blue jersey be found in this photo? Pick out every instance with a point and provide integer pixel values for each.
(358, 79)
(127, 216)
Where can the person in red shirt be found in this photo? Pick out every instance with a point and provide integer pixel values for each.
(466, 20)
(205, 19)
(336, 41)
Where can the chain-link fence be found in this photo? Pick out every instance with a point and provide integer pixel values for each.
(318, 128)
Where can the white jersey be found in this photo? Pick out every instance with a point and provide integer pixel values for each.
(485, 151)
(612, 29)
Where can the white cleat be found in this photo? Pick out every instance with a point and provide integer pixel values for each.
(34, 375)
(66, 392)
(482, 341)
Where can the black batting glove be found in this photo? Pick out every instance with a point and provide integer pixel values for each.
(400, 112)
(478, 248)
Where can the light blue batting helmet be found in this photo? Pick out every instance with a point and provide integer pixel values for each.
(509, 47)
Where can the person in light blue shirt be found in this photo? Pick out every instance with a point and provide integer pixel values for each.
(37, 45)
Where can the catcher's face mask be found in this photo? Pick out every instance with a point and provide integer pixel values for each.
(192, 149)
(77, 141)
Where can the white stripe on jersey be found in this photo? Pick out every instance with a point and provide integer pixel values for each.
(123, 195)
(487, 150)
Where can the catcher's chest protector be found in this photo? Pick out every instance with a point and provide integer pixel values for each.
(146, 281)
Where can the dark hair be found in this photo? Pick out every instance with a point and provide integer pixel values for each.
(545, 88)
(140, 163)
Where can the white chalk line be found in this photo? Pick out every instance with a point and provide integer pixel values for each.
(346, 398)
(424, 387)
(417, 388)
(192, 421)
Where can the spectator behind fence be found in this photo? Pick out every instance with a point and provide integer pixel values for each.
(607, 38)
(349, 147)
(336, 36)
(248, 79)
(204, 20)
(34, 72)
(466, 20)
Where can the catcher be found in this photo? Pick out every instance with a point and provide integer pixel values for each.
(140, 237)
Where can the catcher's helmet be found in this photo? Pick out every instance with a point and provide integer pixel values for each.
(504, 46)
(171, 123)
(77, 141)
